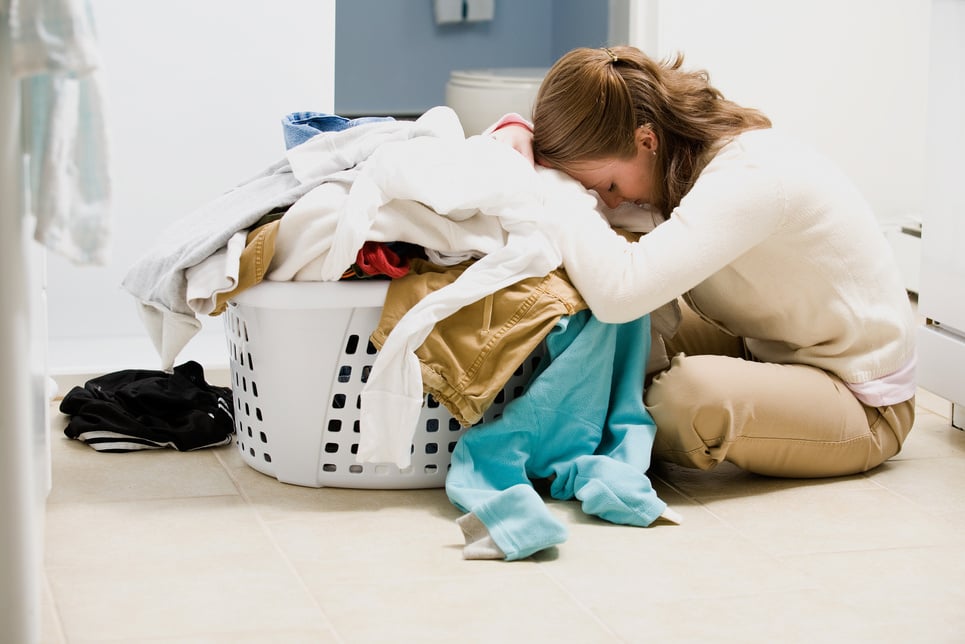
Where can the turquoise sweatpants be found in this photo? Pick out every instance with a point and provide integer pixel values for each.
(581, 422)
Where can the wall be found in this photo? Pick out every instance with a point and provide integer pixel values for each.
(392, 57)
(847, 76)
(196, 100)
(195, 91)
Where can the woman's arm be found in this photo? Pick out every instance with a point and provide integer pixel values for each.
(730, 209)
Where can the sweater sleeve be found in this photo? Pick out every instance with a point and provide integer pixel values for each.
(509, 119)
(732, 207)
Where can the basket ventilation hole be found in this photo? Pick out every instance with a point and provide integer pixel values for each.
(254, 387)
(431, 468)
(251, 365)
(267, 457)
(338, 402)
(366, 370)
(454, 425)
(258, 413)
(264, 437)
(251, 450)
(432, 425)
(500, 397)
(331, 448)
(432, 448)
(355, 448)
(344, 373)
(452, 446)
(247, 410)
(370, 349)
(328, 467)
(355, 427)
(353, 345)
(355, 469)
(334, 425)
(431, 402)
(250, 434)
(244, 384)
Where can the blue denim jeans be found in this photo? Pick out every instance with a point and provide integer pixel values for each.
(301, 126)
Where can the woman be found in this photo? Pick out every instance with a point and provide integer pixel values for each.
(795, 356)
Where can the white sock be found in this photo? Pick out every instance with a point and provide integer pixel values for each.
(479, 543)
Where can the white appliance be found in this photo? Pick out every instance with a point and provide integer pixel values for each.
(479, 97)
(941, 341)
(24, 439)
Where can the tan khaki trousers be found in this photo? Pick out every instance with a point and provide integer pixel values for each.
(716, 403)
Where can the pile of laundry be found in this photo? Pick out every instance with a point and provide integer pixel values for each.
(466, 230)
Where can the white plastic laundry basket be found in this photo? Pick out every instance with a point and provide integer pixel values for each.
(300, 355)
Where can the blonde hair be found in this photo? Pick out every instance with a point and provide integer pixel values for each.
(592, 101)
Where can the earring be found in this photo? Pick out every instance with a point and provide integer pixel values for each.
(654, 153)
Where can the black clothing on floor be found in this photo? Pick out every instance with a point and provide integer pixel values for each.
(139, 409)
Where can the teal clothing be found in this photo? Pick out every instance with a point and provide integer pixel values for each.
(582, 423)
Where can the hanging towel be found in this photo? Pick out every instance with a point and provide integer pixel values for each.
(53, 52)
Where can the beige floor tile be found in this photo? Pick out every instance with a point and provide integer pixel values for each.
(82, 474)
(390, 544)
(914, 594)
(669, 563)
(198, 547)
(51, 631)
(154, 532)
(273, 636)
(130, 602)
(525, 607)
(193, 567)
(830, 519)
(793, 617)
(936, 484)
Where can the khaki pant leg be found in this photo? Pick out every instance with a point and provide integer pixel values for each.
(777, 420)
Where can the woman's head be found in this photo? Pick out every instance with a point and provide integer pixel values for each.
(604, 104)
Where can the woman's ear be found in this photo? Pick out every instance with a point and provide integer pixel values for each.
(647, 139)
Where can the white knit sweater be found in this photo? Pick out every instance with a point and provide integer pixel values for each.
(772, 244)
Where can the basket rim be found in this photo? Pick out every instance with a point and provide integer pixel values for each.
(314, 295)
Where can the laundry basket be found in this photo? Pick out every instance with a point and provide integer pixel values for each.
(299, 356)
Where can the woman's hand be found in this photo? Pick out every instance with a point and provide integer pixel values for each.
(517, 136)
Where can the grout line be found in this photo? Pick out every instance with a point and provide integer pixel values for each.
(60, 632)
(270, 535)
(586, 609)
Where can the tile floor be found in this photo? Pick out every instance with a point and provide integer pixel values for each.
(198, 547)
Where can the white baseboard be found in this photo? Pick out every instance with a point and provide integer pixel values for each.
(73, 361)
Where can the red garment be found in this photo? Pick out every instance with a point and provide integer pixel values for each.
(376, 258)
